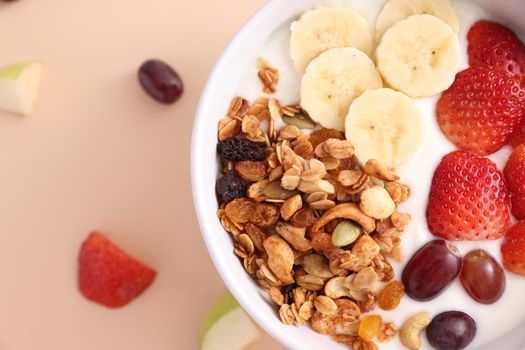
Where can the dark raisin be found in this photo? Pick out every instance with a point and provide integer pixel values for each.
(240, 148)
(288, 295)
(230, 187)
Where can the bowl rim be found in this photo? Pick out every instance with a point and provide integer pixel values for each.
(222, 266)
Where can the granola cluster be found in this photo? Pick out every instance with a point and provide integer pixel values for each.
(314, 228)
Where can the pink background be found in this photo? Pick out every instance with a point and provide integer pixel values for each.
(100, 154)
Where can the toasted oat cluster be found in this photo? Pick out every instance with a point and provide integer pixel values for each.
(312, 226)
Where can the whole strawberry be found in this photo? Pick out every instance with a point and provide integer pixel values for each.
(468, 199)
(481, 110)
(513, 249)
(514, 172)
(109, 276)
(493, 44)
(518, 137)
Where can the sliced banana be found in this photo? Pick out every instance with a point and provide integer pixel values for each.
(384, 125)
(332, 81)
(327, 27)
(419, 56)
(396, 10)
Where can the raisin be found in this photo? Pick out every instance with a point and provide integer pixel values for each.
(230, 187)
(390, 296)
(369, 327)
(240, 148)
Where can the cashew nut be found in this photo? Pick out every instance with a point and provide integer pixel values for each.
(374, 168)
(346, 211)
(335, 288)
(411, 330)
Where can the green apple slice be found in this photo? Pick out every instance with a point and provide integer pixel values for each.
(19, 85)
(227, 327)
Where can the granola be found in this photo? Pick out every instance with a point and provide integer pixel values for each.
(309, 184)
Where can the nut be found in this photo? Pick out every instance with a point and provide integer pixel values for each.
(256, 235)
(274, 191)
(335, 288)
(280, 258)
(411, 330)
(310, 282)
(345, 233)
(291, 206)
(294, 236)
(377, 203)
(324, 204)
(374, 168)
(291, 179)
(316, 171)
(316, 265)
(256, 190)
(346, 211)
(276, 173)
(325, 305)
(303, 218)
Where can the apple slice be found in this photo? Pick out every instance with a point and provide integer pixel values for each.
(227, 327)
(19, 85)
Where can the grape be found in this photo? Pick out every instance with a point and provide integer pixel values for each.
(160, 81)
(431, 270)
(482, 277)
(452, 330)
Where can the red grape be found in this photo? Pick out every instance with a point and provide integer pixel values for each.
(482, 277)
(160, 81)
(451, 330)
(431, 270)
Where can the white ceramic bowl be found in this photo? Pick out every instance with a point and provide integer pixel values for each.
(221, 87)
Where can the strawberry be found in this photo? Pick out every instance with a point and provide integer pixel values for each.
(481, 110)
(109, 276)
(492, 44)
(468, 199)
(513, 249)
(518, 137)
(514, 173)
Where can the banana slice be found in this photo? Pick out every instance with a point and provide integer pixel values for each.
(332, 81)
(396, 10)
(327, 27)
(419, 56)
(384, 125)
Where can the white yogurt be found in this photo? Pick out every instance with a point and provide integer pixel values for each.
(494, 320)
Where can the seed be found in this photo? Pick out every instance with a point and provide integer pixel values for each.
(345, 233)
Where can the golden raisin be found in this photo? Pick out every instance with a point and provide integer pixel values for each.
(370, 326)
(265, 215)
(251, 171)
(321, 135)
(240, 210)
(390, 296)
(303, 218)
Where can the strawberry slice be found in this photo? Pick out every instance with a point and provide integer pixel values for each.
(513, 249)
(518, 137)
(468, 199)
(514, 172)
(481, 110)
(109, 276)
(493, 44)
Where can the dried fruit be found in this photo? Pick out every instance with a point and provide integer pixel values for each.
(369, 326)
(240, 210)
(321, 135)
(229, 187)
(451, 330)
(160, 81)
(390, 296)
(240, 148)
(431, 270)
(303, 218)
(251, 171)
(265, 215)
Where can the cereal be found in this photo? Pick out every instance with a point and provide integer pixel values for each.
(314, 228)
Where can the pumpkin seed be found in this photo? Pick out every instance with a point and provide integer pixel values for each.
(301, 120)
(345, 233)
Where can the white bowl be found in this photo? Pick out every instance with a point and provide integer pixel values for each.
(221, 87)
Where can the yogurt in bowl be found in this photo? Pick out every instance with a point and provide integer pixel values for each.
(267, 35)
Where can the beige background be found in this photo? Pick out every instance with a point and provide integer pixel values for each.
(100, 154)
